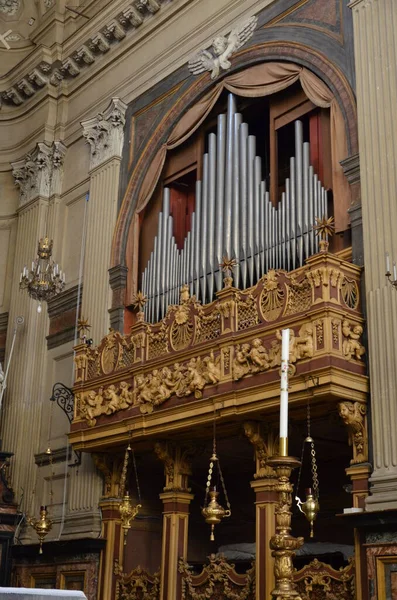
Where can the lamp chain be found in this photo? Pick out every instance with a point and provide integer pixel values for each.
(316, 489)
(223, 486)
(136, 477)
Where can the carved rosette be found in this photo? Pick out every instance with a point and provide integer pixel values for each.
(105, 133)
(40, 173)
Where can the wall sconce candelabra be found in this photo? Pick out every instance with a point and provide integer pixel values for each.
(388, 273)
(45, 279)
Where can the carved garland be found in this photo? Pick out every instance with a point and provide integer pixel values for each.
(138, 585)
(319, 580)
(218, 580)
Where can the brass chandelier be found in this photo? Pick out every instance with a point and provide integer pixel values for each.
(45, 279)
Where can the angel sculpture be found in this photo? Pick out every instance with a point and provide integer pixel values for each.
(222, 49)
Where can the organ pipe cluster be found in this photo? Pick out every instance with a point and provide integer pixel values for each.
(235, 217)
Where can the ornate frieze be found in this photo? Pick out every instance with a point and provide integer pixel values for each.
(105, 132)
(40, 172)
(197, 351)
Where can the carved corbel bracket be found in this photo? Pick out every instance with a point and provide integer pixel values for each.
(177, 465)
(353, 414)
(265, 442)
(110, 466)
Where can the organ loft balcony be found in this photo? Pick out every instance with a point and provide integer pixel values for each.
(167, 377)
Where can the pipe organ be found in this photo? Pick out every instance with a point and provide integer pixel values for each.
(235, 217)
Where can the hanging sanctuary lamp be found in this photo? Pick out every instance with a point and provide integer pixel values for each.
(45, 279)
(311, 506)
(213, 512)
(128, 511)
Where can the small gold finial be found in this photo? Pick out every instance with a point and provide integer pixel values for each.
(83, 328)
(139, 300)
(227, 265)
(324, 228)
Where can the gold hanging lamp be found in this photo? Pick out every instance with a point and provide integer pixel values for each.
(128, 511)
(311, 507)
(213, 512)
(42, 526)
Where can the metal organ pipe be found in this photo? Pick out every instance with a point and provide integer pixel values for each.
(210, 266)
(219, 198)
(234, 214)
(226, 246)
(235, 242)
(243, 202)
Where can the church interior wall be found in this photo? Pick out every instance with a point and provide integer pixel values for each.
(149, 73)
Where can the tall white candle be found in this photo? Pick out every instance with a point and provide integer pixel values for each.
(387, 263)
(284, 391)
(394, 271)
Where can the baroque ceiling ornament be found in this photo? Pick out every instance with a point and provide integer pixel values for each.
(10, 7)
(222, 49)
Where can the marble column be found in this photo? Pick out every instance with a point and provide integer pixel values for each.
(38, 177)
(105, 135)
(375, 26)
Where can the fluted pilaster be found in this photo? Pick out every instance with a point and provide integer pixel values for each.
(105, 134)
(37, 176)
(375, 25)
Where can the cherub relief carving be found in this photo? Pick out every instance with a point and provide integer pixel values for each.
(241, 365)
(222, 49)
(250, 358)
(258, 356)
(351, 346)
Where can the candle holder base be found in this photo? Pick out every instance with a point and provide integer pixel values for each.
(283, 544)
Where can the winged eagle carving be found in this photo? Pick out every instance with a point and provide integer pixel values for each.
(221, 50)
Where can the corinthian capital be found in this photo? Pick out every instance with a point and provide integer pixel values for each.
(105, 132)
(40, 172)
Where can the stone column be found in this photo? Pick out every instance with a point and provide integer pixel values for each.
(264, 485)
(376, 56)
(176, 500)
(38, 177)
(105, 134)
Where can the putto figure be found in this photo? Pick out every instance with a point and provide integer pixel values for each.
(222, 49)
